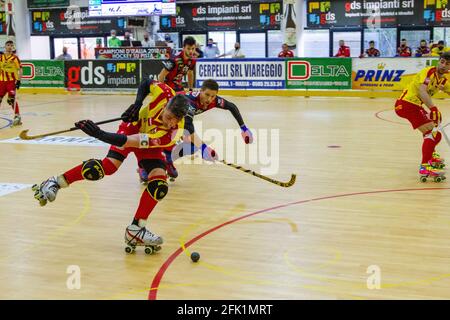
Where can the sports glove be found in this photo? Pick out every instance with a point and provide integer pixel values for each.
(131, 114)
(435, 115)
(246, 134)
(93, 130)
(208, 153)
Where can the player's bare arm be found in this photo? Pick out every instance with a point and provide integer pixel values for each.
(190, 75)
(162, 75)
(424, 96)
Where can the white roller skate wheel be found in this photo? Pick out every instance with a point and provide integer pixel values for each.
(129, 250)
(423, 179)
(437, 179)
(148, 250)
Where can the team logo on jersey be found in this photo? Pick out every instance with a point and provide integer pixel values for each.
(168, 65)
(221, 102)
(192, 110)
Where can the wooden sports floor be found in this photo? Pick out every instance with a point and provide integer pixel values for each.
(357, 216)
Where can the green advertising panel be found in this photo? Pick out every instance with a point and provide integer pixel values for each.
(42, 74)
(47, 3)
(319, 73)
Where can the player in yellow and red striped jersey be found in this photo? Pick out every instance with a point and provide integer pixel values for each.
(145, 131)
(10, 75)
(426, 84)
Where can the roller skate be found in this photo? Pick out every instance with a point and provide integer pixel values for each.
(170, 168)
(428, 171)
(139, 236)
(17, 121)
(437, 161)
(47, 190)
(143, 175)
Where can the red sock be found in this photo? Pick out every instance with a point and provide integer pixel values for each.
(16, 109)
(428, 146)
(75, 174)
(147, 203)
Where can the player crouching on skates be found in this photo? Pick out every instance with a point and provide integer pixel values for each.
(409, 106)
(159, 125)
(201, 101)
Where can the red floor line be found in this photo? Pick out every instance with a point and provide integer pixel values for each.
(384, 119)
(152, 295)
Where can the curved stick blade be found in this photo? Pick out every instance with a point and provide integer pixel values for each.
(291, 182)
(24, 135)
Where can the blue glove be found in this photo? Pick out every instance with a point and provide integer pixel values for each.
(246, 134)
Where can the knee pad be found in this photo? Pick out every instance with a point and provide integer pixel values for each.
(92, 169)
(158, 188)
(10, 100)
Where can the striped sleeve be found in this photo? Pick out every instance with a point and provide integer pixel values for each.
(425, 75)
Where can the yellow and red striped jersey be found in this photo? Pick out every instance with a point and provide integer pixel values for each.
(150, 116)
(9, 67)
(431, 79)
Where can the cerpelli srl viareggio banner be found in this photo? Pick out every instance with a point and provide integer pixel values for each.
(72, 20)
(319, 73)
(377, 13)
(242, 74)
(238, 15)
(99, 74)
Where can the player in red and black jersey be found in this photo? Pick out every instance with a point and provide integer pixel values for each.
(177, 67)
(201, 101)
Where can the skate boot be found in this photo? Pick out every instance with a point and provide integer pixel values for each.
(170, 168)
(47, 191)
(17, 121)
(139, 236)
(143, 175)
(428, 171)
(437, 161)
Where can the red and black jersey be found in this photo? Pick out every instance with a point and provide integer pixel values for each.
(219, 102)
(404, 51)
(373, 52)
(197, 108)
(178, 67)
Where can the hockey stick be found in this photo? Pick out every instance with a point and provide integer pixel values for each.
(24, 134)
(441, 128)
(253, 173)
